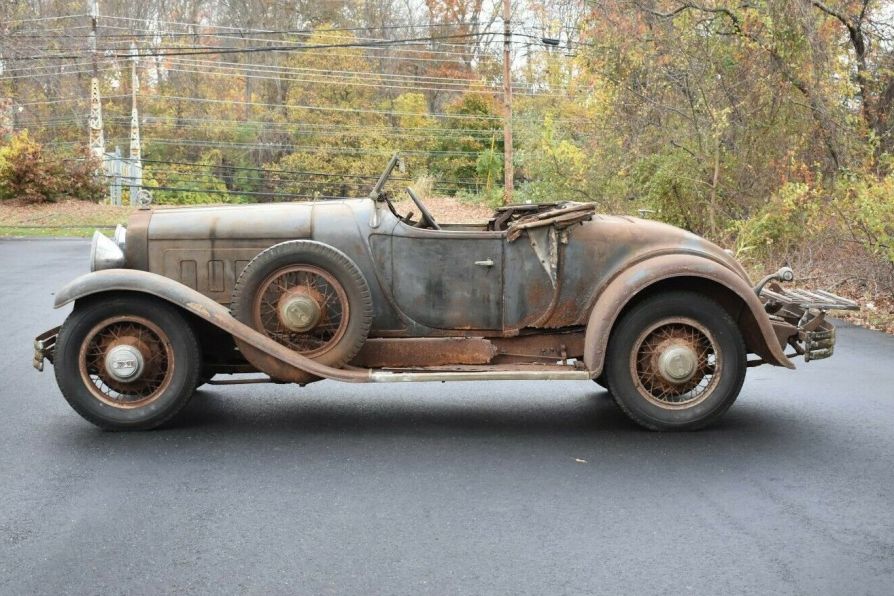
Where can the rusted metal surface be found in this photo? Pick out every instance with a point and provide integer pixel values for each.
(269, 221)
(549, 347)
(637, 278)
(434, 352)
(423, 282)
(136, 250)
(783, 331)
(425, 351)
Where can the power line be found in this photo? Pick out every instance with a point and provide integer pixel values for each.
(111, 53)
(440, 182)
(42, 19)
(420, 135)
(304, 70)
(240, 36)
(427, 56)
(295, 172)
(21, 77)
(48, 32)
(307, 148)
(31, 67)
(349, 77)
(300, 183)
(65, 100)
(328, 108)
(326, 30)
(239, 193)
(201, 123)
(353, 83)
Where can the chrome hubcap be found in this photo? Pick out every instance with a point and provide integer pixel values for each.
(299, 313)
(677, 364)
(124, 363)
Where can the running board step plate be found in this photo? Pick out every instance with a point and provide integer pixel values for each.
(557, 373)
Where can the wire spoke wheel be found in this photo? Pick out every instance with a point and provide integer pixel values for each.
(307, 296)
(676, 363)
(303, 307)
(126, 361)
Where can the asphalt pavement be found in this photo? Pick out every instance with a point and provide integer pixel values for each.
(465, 488)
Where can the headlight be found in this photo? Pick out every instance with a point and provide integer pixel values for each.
(120, 236)
(105, 253)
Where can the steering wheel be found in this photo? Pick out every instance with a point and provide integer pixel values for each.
(425, 216)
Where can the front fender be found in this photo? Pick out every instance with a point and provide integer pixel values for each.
(631, 282)
(131, 280)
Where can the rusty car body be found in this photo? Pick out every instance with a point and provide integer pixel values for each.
(352, 290)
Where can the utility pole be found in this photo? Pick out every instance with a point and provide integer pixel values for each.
(7, 120)
(136, 164)
(508, 174)
(97, 141)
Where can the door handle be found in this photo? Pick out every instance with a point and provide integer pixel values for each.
(485, 263)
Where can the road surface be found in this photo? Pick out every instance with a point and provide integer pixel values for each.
(488, 488)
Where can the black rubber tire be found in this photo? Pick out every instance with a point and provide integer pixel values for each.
(600, 380)
(729, 342)
(187, 361)
(336, 263)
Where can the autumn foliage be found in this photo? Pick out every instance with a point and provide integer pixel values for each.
(32, 174)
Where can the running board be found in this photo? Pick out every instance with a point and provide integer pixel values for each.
(378, 376)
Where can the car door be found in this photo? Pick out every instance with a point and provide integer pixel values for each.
(530, 277)
(448, 279)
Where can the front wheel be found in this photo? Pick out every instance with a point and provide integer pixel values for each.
(126, 362)
(676, 361)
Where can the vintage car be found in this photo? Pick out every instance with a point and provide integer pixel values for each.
(352, 290)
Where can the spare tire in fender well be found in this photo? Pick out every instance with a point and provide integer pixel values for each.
(318, 278)
(681, 271)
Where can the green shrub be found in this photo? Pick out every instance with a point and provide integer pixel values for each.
(489, 167)
(31, 173)
(669, 184)
(189, 186)
(792, 214)
(867, 208)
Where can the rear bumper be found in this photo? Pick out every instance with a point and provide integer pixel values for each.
(815, 343)
(45, 347)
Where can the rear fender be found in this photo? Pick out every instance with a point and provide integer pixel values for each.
(143, 282)
(756, 328)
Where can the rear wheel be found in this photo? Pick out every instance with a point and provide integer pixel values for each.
(126, 362)
(676, 361)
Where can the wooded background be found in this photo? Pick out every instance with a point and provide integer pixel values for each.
(765, 125)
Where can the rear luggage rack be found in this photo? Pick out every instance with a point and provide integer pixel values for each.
(807, 299)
